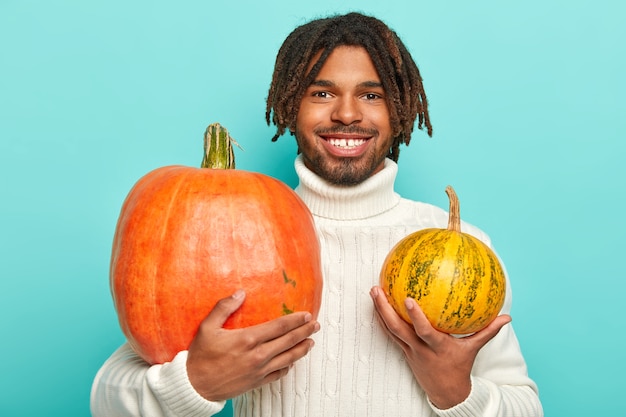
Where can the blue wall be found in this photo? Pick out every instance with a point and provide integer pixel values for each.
(527, 106)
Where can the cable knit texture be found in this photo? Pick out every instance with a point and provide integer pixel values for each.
(354, 368)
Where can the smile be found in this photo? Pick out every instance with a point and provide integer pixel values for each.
(346, 143)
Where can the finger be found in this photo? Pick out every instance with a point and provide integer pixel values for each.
(276, 375)
(286, 358)
(223, 309)
(285, 325)
(480, 338)
(422, 326)
(391, 321)
(383, 325)
(289, 334)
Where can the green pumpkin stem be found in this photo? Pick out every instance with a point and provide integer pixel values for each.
(218, 148)
(454, 219)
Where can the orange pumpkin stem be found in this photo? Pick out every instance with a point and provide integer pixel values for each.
(454, 215)
(218, 148)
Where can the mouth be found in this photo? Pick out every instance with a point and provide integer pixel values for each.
(346, 143)
(346, 139)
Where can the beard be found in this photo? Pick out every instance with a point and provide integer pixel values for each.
(343, 171)
(346, 171)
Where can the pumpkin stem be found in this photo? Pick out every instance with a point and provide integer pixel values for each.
(218, 148)
(454, 219)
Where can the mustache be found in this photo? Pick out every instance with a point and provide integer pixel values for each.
(346, 130)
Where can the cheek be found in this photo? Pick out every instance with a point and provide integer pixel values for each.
(307, 116)
(382, 119)
(302, 139)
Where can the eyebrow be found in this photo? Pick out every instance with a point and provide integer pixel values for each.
(328, 83)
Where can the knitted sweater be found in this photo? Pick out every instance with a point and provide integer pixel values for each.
(355, 369)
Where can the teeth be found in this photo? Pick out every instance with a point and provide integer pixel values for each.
(349, 143)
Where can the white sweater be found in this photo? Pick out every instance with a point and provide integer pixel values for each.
(354, 368)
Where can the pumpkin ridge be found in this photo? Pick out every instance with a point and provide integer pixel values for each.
(280, 292)
(178, 191)
(264, 236)
(475, 270)
(453, 304)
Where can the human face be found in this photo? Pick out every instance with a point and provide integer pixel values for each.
(342, 127)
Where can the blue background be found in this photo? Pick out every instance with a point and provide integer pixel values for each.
(527, 107)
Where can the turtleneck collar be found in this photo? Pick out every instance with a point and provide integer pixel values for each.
(370, 198)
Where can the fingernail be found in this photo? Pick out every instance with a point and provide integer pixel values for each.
(374, 292)
(307, 317)
(409, 303)
(239, 294)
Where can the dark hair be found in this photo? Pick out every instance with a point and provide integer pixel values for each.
(399, 74)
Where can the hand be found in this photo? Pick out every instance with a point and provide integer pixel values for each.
(223, 363)
(441, 363)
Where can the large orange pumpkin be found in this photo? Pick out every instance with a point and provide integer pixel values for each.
(454, 277)
(187, 237)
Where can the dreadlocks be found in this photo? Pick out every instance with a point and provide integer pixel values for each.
(399, 74)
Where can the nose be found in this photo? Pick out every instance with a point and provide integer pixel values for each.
(346, 111)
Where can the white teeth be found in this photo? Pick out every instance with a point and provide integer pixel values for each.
(349, 143)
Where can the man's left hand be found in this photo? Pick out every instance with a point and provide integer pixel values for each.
(441, 363)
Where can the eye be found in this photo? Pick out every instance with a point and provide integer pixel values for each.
(320, 94)
(372, 96)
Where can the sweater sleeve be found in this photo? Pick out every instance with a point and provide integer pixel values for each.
(127, 386)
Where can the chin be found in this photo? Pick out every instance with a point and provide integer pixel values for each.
(346, 174)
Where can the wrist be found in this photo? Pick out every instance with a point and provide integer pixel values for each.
(451, 395)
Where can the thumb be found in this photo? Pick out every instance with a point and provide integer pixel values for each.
(224, 308)
(483, 336)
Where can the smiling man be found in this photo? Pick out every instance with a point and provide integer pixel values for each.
(350, 92)
(342, 127)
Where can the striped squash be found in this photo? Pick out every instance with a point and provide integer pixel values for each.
(454, 277)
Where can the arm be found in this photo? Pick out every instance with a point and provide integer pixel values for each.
(219, 365)
(127, 386)
(483, 374)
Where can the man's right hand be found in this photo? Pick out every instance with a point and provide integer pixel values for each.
(224, 363)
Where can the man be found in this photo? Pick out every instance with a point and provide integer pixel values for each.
(348, 90)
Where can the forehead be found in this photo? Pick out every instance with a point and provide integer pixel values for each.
(346, 61)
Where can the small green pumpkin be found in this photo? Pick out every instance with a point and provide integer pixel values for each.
(455, 278)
